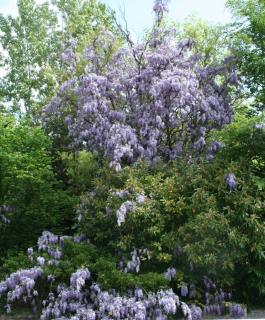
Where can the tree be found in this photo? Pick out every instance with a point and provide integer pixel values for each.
(31, 199)
(212, 41)
(26, 43)
(149, 100)
(249, 46)
(32, 44)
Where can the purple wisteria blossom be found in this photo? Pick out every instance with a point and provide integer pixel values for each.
(79, 278)
(76, 302)
(196, 312)
(170, 273)
(231, 181)
(123, 211)
(237, 311)
(84, 299)
(127, 206)
(20, 286)
(184, 291)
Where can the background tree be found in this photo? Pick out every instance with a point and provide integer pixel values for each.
(32, 44)
(29, 186)
(27, 43)
(249, 46)
(212, 41)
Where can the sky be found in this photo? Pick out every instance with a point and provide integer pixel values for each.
(138, 13)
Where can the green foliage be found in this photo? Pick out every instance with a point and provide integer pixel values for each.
(190, 219)
(249, 44)
(212, 41)
(101, 264)
(27, 43)
(32, 44)
(81, 169)
(28, 185)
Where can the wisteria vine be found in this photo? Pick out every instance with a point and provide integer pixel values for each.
(146, 101)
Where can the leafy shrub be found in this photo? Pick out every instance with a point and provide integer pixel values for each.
(190, 219)
(29, 187)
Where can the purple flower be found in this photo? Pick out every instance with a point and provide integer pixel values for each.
(170, 273)
(182, 102)
(30, 251)
(184, 291)
(78, 278)
(41, 261)
(196, 312)
(237, 311)
(231, 181)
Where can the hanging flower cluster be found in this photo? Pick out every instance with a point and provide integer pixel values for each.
(147, 101)
(231, 181)
(127, 206)
(134, 264)
(170, 273)
(52, 244)
(20, 286)
(76, 303)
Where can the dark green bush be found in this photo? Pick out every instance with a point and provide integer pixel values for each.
(29, 186)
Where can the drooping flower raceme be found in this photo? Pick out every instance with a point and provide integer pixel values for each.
(170, 273)
(79, 278)
(237, 311)
(196, 312)
(123, 211)
(184, 291)
(231, 181)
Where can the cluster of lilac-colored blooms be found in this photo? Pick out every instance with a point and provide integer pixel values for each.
(80, 238)
(170, 273)
(79, 278)
(69, 300)
(237, 311)
(134, 264)
(68, 56)
(76, 302)
(139, 306)
(50, 243)
(127, 206)
(80, 302)
(160, 6)
(231, 181)
(260, 126)
(184, 290)
(186, 311)
(151, 100)
(20, 286)
(213, 149)
(215, 301)
(196, 312)
(4, 219)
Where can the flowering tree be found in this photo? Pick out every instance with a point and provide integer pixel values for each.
(144, 101)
